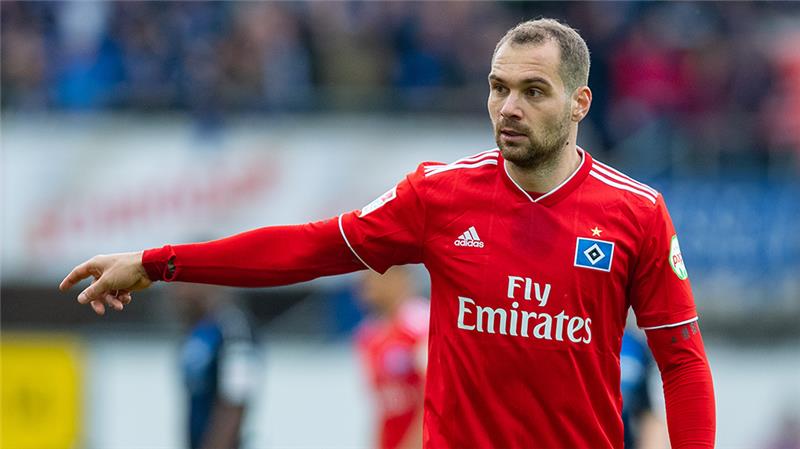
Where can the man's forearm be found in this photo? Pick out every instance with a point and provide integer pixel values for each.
(688, 386)
(276, 255)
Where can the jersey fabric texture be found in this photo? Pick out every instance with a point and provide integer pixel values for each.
(217, 361)
(393, 354)
(529, 296)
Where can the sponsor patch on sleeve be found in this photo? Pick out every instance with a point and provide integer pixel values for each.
(676, 259)
(379, 202)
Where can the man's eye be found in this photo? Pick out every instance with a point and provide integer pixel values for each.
(534, 92)
(499, 88)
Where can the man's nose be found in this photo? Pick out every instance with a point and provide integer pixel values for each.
(510, 108)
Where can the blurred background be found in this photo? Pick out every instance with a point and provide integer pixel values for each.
(128, 125)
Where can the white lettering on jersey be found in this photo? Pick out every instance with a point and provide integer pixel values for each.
(542, 293)
(522, 323)
(469, 238)
(463, 310)
(379, 201)
(507, 321)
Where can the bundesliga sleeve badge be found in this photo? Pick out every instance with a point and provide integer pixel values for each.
(594, 254)
(676, 259)
(378, 202)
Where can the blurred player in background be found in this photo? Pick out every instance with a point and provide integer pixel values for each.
(787, 432)
(393, 347)
(218, 362)
(644, 424)
(535, 250)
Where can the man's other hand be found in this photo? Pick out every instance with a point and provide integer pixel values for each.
(115, 277)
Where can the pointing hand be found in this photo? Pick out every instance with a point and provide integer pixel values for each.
(115, 277)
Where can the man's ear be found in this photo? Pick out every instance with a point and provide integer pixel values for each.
(581, 102)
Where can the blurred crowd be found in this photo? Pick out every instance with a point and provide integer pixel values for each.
(706, 86)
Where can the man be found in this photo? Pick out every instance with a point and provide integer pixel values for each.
(218, 365)
(535, 253)
(392, 343)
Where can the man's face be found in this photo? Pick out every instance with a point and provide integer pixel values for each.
(528, 103)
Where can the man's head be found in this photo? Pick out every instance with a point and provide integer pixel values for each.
(538, 91)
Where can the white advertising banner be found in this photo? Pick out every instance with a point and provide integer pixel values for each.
(78, 186)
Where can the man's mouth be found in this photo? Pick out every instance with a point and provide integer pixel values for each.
(510, 132)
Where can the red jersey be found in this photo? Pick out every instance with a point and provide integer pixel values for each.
(393, 351)
(529, 295)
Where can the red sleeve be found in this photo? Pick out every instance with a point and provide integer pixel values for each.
(277, 255)
(688, 387)
(661, 294)
(390, 230)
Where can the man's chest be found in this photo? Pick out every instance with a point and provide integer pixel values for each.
(508, 268)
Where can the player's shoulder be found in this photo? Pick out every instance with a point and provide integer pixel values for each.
(474, 165)
(615, 186)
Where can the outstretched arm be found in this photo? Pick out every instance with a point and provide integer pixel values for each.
(688, 387)
(270, 256)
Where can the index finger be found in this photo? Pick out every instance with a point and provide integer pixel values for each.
(77, 274)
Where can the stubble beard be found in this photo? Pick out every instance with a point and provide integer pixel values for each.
(535, 153)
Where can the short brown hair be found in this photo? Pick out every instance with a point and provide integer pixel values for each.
(574, 69)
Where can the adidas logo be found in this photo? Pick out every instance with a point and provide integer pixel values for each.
(469, 238)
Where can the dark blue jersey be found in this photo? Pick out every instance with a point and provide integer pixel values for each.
(217, 361)
(636, 364)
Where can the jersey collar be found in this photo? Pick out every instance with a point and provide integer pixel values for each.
(560, 191)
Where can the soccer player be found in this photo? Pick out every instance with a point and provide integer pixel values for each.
(642, 422)
(535, 251)
(218, 365)
(392, 343)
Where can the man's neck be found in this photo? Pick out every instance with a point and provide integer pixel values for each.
(545, 178)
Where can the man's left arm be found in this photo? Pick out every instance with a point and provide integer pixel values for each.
(662, 299)
(688, 386)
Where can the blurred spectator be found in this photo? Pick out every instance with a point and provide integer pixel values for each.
(783, 106)
(23, 33)
(703, 86)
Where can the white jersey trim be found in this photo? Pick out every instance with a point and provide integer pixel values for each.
(670, 325)
(483, 158)
(444, 168)
(524, 192)
(341, 229)
(482, 155)
(624, 180)
(627, 187)
(616, 174)
(554, 189)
